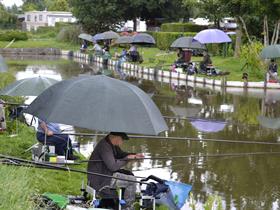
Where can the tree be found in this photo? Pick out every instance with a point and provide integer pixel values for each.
(7, 20)
(98, 15)
(213, 10)
(29, 5)
(57, 5)
(152, 9)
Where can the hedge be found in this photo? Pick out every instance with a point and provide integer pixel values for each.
(13, 34)
(181, 27)
(165, 39)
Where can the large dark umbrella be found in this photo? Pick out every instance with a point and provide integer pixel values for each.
(124, 40)
(99, 103)
(3, 65)
(187, 42)
(271, 51)
(28, 87)
(86, 37)
(272, 123)
(143, 38)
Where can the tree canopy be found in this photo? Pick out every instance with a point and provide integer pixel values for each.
(51, 5)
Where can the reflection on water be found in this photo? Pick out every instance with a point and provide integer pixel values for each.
(243, 182)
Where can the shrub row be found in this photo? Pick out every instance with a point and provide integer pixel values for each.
(13, 34)
(181, 27)
(165, 39)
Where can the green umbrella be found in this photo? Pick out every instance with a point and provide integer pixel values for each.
(271, 51)
(28, 87)
(272, 123)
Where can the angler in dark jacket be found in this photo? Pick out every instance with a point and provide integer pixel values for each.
(107, 159)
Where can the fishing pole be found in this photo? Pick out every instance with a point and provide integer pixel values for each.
(180, 138)
(196, 156)
(68, 169)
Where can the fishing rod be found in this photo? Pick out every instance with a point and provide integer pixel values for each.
(68, 169)
(179, 138)
(196, 156)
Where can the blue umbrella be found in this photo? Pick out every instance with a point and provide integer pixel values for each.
(212, 36)
(208, 126)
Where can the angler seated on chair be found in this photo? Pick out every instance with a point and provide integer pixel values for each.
(50, 134)
(206, 63)
(107, 159)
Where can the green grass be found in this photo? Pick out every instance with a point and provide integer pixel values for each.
(29, 181)
(41, 43)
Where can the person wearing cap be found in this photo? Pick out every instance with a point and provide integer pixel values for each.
(108, 159)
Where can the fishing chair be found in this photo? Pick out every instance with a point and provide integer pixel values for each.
(112, 203)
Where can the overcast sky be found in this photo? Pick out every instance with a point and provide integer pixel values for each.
(9, 3)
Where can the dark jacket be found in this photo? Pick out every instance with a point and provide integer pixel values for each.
(113, 159)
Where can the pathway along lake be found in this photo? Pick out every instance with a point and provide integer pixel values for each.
(243, 182)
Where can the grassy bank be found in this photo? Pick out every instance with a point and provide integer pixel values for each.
(41, 43)
(24, 182)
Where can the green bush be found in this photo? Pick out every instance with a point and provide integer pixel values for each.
(165, 39)
(181, 27)
(69, 34)
(13, 34)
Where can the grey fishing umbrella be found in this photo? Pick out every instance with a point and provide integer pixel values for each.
(3, 65)
(143, 38)
(271, 51)
(187, 42)
(107, 35)
(86, 37)
(273, 123)
(124, 40)
(99, 103)
(184, 112)
(28, 87)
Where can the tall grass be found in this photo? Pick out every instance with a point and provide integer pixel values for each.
(15, 188)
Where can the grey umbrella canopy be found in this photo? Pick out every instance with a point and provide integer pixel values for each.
(271, 51)
(28, 87)
(3, 65)
(273, 123)
(99, 103)
(107, 35)
(86, 37)
(143, 38)
(124, 40)
(187, 42)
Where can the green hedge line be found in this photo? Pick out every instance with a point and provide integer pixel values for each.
(181, 27)
(165, 39)
(13, 34)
